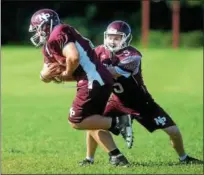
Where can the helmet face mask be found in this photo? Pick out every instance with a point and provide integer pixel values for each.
(42, 23)
(40, 35)
(117, 28)
(113, 42)
(116, 45)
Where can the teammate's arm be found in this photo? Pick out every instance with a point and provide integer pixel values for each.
(113, 71)
(126, 67)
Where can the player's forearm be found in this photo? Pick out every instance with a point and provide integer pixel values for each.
(68, 78)
(72, 55)
(71, 66)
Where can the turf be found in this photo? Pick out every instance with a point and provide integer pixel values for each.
(37, 139)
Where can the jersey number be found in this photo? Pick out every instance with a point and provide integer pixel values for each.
(118, 88)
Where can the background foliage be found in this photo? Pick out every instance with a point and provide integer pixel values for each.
(92, 17)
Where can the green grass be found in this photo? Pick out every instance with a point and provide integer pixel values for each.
(36, 138)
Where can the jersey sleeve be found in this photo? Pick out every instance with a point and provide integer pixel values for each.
(129, 65)
(98, 51)
(59, 41)
(46, 57)
(46, 60)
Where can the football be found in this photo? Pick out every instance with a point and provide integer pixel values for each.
(59, 69)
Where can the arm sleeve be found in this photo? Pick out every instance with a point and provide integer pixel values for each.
(98, 51)
(60, 41)
(122, 72)
(129, 65)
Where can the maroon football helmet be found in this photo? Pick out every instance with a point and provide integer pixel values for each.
(118, 28)
(42, 23)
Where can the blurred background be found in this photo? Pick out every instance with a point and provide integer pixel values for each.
(150, 20)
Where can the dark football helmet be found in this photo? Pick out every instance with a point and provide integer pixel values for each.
(42, 23)
(118, 28)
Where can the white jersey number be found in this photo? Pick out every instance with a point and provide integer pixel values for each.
(118, 88)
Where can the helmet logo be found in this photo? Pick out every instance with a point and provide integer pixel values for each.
(42, 17)
(126, 52)
(112, 30)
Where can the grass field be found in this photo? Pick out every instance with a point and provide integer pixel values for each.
(36, 138)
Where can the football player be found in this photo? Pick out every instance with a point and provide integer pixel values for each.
(130, 94)
(64, 45)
